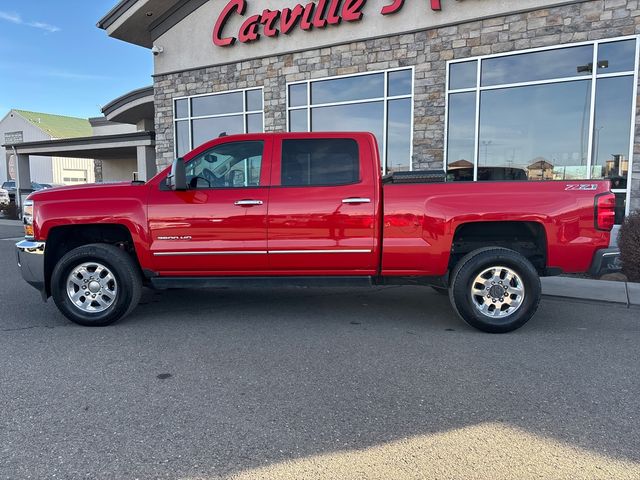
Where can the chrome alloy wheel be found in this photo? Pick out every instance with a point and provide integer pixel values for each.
(92, 287)
(497, 292)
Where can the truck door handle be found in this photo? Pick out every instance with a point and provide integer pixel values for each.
(248, 203)
(356, 200)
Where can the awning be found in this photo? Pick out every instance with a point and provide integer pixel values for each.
(99, 147)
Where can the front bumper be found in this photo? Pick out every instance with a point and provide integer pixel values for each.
(31, 262)
(605, 260)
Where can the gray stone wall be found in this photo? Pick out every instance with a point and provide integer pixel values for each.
(427, 50)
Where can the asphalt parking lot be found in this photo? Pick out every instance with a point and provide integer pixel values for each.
(301, 383)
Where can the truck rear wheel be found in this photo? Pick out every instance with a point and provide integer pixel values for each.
(495, 290)
(96, 285)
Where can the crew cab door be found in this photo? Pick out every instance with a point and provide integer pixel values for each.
(218, 225)
(323, 204)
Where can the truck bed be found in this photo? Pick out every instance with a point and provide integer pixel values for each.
(564, 209)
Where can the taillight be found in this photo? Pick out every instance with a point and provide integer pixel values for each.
(605, 211)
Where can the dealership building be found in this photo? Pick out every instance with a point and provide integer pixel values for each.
(487, 90)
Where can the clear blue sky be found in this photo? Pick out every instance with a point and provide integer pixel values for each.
(54, 59)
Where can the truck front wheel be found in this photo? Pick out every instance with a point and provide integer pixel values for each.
(95, 285)
(495, 290)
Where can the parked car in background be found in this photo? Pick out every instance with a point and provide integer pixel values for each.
(4, 198)
(10, 187)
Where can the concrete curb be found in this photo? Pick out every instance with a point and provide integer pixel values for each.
(633, 292)
(592, 290)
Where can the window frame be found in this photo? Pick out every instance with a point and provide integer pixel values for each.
(593, 78)
(190, 118)
(385, 99)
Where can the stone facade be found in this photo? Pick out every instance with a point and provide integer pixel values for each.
(428, 51)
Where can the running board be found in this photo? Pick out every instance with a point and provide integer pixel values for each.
(162, 283)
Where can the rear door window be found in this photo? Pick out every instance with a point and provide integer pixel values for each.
(319, 162)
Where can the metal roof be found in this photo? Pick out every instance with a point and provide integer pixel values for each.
(57, 126)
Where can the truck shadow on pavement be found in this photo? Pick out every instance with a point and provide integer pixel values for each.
(306, 383)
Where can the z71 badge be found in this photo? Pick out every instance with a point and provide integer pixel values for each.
(582, 186)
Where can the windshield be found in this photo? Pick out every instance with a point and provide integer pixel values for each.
(9, 185)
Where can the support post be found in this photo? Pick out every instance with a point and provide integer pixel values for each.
(23, 177)
(146, 159)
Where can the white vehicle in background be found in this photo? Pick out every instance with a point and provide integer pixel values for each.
(4, 198)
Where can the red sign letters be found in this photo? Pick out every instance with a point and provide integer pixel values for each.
(271, 23)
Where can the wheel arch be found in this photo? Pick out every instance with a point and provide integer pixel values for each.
(528, 238)
(63, 239)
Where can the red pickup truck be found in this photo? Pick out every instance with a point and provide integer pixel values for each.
(310, 209)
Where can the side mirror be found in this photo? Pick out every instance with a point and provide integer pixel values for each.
(177, 179)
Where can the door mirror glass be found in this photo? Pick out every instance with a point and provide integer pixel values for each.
(177, 179)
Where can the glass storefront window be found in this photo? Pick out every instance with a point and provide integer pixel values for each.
(205, 129)
(202, 118)
(545, 114)
(463, 75)
(616, 57)
(540, 130)
(612, 130)
(254, 100)
(461, 135)
(182, 138)
(216, 104)
(398, 134)
(298, 95)
(543, 65)
(254, 123)
(400, 83)
(380, 103)
(298, 121)
(364, 117)
(347, 89)
(182, 108)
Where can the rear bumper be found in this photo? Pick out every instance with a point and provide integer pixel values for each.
(605, 260)
(31, 262)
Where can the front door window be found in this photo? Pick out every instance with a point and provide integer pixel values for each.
(230, 165)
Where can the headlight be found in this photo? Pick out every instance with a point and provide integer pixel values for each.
(27, 219)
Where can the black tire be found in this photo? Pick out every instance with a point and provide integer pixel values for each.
(122, 267)
(441, 290)
(468, 306)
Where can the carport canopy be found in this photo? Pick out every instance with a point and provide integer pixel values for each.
(139, 145)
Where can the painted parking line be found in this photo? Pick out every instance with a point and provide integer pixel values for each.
(12, 239)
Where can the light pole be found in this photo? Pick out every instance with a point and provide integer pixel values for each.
(486, 144)
(596, 145)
